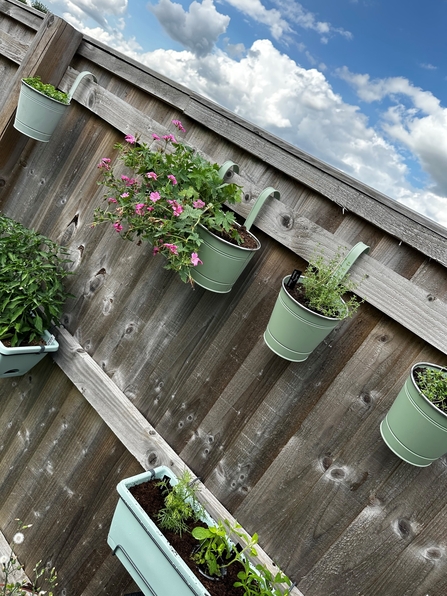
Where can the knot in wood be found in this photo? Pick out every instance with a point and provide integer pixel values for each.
(404, 527)
(247, 197)
(338, 474)
(431, 298)
(327, 462)
(152, 458)
(365, 396)
(286, 220)
(2, 182)
(433, 553)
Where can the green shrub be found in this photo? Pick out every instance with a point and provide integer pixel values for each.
(47, 89)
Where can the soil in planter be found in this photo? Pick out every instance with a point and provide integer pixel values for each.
(247, 239)
(151, 499)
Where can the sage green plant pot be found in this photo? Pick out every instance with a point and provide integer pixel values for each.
(414, 428)
(37, 114)
(15, 362)
(133, 537)
(294, 331)
(223, 262)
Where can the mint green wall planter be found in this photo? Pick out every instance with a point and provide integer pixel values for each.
(143, 550)
(224, 262)
(414, 428)
(294, 331)
(15, 362)
(38, 115)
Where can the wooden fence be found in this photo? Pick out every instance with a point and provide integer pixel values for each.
(293, 451)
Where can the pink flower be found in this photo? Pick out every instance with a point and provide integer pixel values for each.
(112, 200)
(118, 227)
(176, 208)
(139, 208)
(195, 259)
(172, 248)
(104, 162)
(154, 196)
(130, 139)
(155, 250)
(199, 204)
(151, 175)
(179, 125)
(156, 137)
(125, 178)
(172, 179)
(124, 195)
(150, 208)
(169, 138)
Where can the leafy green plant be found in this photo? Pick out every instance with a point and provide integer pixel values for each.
(216, 551)
(44, 579)
(171, 190)
(433, 384)
(323, 291)
(32, 295)
(180, 504)
(46, 89)
(259, 581)
(39, 6)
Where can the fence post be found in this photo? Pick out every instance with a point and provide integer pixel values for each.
(48, 56)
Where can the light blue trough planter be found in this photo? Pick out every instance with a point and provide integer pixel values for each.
(15, 362)
(152, 562)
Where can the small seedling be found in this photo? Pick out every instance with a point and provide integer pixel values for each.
(181, 504)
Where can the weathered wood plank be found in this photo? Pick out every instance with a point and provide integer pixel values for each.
(12, 48)
(23, 13)
(131, 428)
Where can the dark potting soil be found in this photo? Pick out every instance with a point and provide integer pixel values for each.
(247, 239)
(151, 499)
(298, 294)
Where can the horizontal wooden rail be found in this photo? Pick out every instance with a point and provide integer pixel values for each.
(128, 424)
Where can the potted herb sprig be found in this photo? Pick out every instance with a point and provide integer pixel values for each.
(41, 106)
(309, 307)
(173, 198)
(32, 295)
(415, 427)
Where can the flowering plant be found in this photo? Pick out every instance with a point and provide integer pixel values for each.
(170, 192)
(13, 580)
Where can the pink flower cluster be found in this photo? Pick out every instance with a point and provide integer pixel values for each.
(104, 163)
(176, 208)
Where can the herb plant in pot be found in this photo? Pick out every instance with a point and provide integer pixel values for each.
(41, 106)
(32, 295)
(308, 308)
(173, 198)
(415, 428)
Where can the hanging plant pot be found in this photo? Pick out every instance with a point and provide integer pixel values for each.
(37, 114)
(294, 331)
(143, 550)
(414, 428)
(222, 261)
(15, 362)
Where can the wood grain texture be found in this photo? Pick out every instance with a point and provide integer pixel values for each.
(126, 422)
(292, 450)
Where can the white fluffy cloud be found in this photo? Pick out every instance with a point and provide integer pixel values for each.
(299, 105)
(197, 30)
(98, 10)
(416, 120)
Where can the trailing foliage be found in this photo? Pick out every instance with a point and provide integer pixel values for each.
(181, 504)
(170, 191)
(31, 291)
(47, 89)
(433, 384)
(324, 290)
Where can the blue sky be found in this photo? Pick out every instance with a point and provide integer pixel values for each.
(360, 84)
